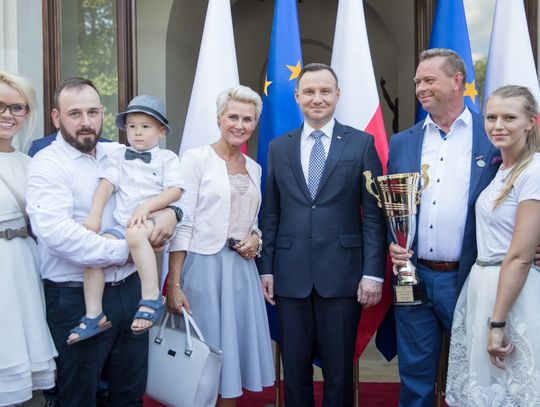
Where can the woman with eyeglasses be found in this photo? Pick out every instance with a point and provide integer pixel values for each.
(27, 351)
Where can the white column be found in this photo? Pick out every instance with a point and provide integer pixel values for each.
(21, 49)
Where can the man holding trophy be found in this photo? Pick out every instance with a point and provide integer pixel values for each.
(451, 141)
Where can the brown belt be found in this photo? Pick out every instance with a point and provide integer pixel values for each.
(440, 265)
(9, 234)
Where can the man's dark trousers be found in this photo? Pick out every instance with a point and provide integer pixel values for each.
(121, 355)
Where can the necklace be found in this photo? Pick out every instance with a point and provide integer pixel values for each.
(233, 160)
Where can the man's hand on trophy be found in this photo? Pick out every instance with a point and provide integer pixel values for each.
(399, 256)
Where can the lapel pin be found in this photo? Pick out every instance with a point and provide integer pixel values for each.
(339, 137)
(480, 162)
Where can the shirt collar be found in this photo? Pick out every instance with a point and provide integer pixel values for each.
(74, 154)
(327, 129)
(70, 150)
(465, 119)
(152, 151)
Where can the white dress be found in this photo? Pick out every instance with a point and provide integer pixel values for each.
(472, 379)
(26, 347)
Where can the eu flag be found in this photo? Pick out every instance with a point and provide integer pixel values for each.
(280, 110)
(450, 31)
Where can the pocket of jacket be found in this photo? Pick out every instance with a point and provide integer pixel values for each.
(283, 242)
(345, 163)
(347, 241)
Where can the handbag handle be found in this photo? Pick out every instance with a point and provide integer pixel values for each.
(189, 322)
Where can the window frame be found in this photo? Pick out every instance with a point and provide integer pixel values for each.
(126, 26)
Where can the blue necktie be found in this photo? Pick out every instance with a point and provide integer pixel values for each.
(317, 159)
(145, 156)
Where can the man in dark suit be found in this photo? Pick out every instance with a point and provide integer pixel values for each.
(462, 163)
(324, 241)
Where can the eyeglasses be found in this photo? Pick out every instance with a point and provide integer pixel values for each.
(16, 109)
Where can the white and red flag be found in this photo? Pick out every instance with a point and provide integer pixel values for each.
(359, 107)
(510, 59)
(217, 70)
(359, 104)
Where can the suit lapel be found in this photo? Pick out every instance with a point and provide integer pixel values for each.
(339, 141)
(414, 147)
(480, 154)
(293, 151)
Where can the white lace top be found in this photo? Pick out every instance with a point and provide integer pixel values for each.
(244, 204)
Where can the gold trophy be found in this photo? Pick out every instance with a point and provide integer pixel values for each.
(398, 195)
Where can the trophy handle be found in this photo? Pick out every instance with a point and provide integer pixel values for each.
(369, 183)
(425, 177)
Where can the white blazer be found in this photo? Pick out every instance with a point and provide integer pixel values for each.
(207, 200)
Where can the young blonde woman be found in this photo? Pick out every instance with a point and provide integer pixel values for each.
(27, 349)
(494, 351)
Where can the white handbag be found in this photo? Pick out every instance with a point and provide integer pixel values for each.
(183, 370)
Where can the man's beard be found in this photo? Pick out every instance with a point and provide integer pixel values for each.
(87, 145)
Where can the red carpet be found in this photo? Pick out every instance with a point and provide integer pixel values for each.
(371, 395)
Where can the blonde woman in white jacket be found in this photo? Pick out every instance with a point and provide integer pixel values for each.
(212, 272)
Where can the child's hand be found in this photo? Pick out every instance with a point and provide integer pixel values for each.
(93, 223)
(139, 217)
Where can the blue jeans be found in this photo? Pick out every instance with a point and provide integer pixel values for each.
(419, 333)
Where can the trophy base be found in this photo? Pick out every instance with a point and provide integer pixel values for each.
(410, 295)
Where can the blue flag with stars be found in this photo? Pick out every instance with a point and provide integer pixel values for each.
(280, 110)
(450, 31)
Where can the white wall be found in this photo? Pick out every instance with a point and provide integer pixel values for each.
(21, 48)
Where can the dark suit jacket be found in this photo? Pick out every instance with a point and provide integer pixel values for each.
(405, 156)
(323, 243)
(41, 143)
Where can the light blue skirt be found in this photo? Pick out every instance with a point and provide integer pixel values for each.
(226, 299)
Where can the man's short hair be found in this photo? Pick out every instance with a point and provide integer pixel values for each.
(314, 67)
(452, 64)
(72, 83)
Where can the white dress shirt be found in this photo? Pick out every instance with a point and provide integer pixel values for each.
(207, 199)
(61, 184)
(443, 211)
(136, 181)
(306, 143)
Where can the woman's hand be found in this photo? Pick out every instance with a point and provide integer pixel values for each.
(176, 299)
(498, 347)
(247, 248)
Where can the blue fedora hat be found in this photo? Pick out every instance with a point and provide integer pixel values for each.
(146, 104)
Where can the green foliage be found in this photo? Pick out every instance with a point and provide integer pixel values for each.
(97, 56)
(480, 75)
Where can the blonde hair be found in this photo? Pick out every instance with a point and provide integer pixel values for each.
(26, 90)
(239, 93)
(532, 142)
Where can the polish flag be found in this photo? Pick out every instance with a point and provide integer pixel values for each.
(216, 70)
(510, 60)
(359, 107)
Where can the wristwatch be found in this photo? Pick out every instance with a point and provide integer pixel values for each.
(495, 324)
(177, 212)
